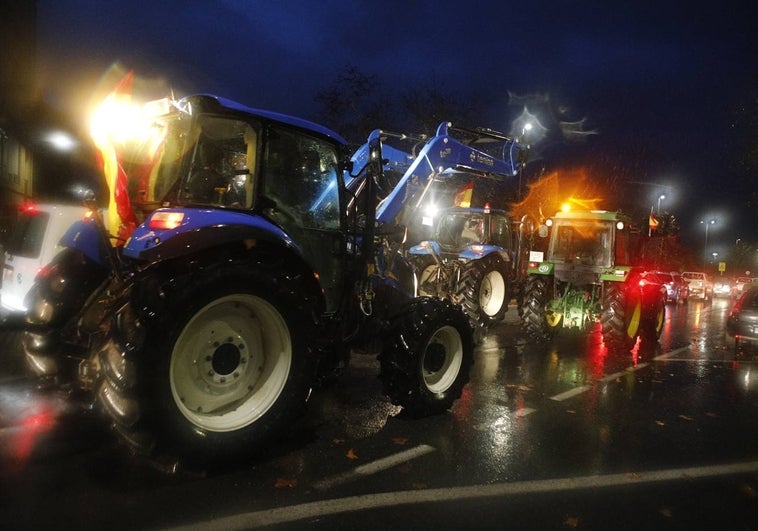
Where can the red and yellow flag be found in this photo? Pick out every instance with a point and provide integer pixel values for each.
(463, 196)
(653, 222)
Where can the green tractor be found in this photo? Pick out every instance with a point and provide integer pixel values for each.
(588, 275)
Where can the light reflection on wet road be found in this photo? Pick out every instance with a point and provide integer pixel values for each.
(531, 413)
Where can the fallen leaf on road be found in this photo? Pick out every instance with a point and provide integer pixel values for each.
(418, 485)
(571, 521)
(351, 454)
(685, 417)
(399, 440)
(285, 483)
(660, 423)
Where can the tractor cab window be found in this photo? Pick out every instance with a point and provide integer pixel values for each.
(500, 231)
(473, 230)
(222, 171)
(583, 242)
(300, 181)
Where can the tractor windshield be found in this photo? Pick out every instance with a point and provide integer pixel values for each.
(587, 242)
(223, 163)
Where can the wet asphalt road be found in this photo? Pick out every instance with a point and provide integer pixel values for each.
(556, 436)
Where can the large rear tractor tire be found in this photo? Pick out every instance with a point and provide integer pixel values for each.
(484, 289)
(428, 359)
(224, 374)
(534, 313)
(54, 301)
(652, 324)
(621, 318)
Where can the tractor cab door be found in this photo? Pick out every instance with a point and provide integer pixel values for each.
(301, 192)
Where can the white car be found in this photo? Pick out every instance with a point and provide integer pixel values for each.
(32, 244)
(741, 285)
(699, 285)
(722, 287)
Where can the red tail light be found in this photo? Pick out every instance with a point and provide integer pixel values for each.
(29, 208)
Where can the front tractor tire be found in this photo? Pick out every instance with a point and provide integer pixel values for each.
(621, 317)
(427, 361)
(427, 270)
(224, 374)
(484, 289)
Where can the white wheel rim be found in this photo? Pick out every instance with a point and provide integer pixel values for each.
(492, 293)
(230, 363)
(443, 357)
(425, 275)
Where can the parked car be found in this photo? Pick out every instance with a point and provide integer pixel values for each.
(741, 284)
(699, 285)
(677, 290)
(32, 244)
(722, 287)
(742, 323)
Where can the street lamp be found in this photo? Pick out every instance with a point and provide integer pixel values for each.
(662, 196)
(705, 247)
(524, 130)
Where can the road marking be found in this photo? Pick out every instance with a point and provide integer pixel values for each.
(294, 513)
(667, 355)
(374, 466)
(611, 377)
(571, 393)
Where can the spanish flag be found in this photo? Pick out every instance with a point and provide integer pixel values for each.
(121, 218)
(652, 222)
(463, 196)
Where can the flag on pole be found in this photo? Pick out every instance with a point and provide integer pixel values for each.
(652, 222)
(121, 219)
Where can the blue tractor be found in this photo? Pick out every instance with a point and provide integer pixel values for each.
(258, 265)
(462, 249)
(475, 260)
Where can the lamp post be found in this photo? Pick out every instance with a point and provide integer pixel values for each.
(662, 196)
(705, 246)
(524, 130)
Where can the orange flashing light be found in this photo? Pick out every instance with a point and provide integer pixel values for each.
(166, 220)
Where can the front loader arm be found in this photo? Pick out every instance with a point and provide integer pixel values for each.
(444, 152)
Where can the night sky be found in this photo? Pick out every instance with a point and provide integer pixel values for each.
(655, 91)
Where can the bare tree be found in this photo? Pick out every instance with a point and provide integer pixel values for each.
(352, 105)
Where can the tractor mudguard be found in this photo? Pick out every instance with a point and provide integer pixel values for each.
(479, 251)
(201, 229)
(426, 248)
(616, 274)
(84, 236)
(545, 268)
